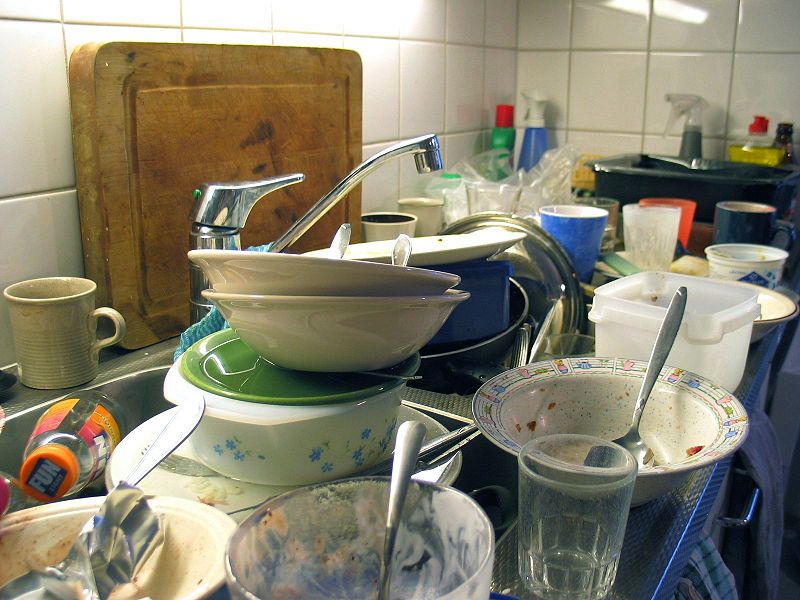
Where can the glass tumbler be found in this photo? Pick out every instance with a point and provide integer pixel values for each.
(574, 496)
(651, 233)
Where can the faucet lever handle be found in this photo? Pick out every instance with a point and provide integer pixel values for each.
(229, 204)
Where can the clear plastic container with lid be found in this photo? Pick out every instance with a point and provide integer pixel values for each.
(714, 337)
(70, 445)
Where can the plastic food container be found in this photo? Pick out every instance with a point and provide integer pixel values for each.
(750, 263)
(715, 335)
(486, 313)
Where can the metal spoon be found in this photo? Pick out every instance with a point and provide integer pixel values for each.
(665, 338)
(340, 241)
(409, 440)
(401, 252)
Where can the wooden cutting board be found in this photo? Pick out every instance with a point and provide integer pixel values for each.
(153, 121)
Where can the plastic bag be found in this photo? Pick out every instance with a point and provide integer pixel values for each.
(488, 182)
(549, 182)
(485, 182)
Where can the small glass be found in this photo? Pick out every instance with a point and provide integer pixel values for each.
(609, 242)
(651, 233)
(574, 497)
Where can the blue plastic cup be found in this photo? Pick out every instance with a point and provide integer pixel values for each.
(579, 229)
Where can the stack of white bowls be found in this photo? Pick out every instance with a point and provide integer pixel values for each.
(326, 314)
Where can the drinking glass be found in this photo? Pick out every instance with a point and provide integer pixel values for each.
(574, 496)
(651, 233)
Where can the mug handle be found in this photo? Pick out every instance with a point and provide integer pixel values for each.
(119, 327)
(785, 229)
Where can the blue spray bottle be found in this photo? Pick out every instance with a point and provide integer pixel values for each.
(535, 142)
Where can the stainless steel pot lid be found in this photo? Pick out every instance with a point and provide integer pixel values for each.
(541, 266)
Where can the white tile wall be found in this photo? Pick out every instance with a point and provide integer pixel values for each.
(429, 66)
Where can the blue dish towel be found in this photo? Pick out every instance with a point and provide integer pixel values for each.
(706, 577)
(209, 324)
(754, 552)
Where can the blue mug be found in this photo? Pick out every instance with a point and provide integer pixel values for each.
(579, 229)
(738, 222)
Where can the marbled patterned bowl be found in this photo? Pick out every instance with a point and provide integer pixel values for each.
(689, 422)
(325, 541)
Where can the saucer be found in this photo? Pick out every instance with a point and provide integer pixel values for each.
(182, 475)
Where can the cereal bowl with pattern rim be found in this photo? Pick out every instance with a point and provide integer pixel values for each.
(689, 421)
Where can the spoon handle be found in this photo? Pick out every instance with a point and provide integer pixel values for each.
(340, 241)
(661, 349)
(409, 440)
(180, 426)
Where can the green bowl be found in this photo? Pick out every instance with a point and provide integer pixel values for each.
(223, 364)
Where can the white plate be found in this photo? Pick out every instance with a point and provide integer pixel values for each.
(438, 249)
(776, 308)
(190, 479)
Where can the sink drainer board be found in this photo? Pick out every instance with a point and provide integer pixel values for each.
(153, 121)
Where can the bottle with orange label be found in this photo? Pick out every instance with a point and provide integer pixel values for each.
(70, 445)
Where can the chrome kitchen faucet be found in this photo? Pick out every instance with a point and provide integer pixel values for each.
(426, 156)
(218, 216)
(221, 209)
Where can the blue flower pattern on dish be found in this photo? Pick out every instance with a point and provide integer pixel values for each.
(359, 456)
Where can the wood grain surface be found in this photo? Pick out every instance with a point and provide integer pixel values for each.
(153, 121)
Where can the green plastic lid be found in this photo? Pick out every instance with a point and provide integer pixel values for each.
(223, 364)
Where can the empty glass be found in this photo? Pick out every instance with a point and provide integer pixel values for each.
(574, 496)
(609, 242)
(651, 233)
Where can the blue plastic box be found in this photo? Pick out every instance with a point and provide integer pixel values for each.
(486, 313)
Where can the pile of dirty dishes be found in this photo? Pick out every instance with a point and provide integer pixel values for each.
(315, 313)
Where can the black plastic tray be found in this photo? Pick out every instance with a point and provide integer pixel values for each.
(630, 177)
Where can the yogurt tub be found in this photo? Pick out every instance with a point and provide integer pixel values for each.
(750, 263)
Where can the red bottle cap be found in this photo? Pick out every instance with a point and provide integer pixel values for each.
(759, 125)
(504, 115)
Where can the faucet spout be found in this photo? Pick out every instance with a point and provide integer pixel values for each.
(427, 158)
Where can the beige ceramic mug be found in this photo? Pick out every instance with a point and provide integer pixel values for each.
(54, 324)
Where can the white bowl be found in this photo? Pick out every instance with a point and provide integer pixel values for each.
(250, 272)
(291, 445)
(776, 308)
(189, 565)
(689, 422)
(336, 333)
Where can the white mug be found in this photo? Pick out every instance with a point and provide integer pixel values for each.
(54, 325)
(376, 226)
(429, 212)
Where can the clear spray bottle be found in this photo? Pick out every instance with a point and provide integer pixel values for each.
(691, 107)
